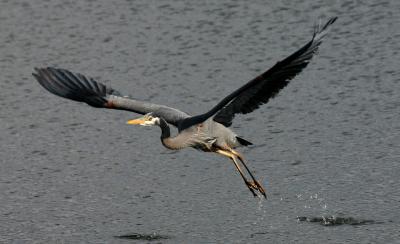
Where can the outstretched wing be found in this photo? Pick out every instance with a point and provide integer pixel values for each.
(265, 86)
(79, 88)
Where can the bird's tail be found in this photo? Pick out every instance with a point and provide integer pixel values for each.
(74, 86)
(243, 141)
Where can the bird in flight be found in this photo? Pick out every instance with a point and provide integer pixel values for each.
(208, 132)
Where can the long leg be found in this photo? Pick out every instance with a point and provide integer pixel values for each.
(233, 158)
(257, 185)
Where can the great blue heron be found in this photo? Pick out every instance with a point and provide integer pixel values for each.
(207, 132)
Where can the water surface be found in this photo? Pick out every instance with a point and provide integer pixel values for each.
(328, 145)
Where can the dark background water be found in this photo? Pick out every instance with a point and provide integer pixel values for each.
(327, 145)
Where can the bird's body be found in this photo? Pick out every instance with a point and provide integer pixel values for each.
(208, 137)
(221, 136)
(207, 132)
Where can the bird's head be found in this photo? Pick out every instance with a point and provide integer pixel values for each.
(146, 120)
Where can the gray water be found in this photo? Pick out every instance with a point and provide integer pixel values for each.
(328, 145)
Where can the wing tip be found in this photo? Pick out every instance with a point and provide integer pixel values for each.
(329, 22)
(74, 86)
(321, 30)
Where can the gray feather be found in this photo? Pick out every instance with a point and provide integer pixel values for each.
(80, 88)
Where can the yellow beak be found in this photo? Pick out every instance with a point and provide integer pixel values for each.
(135, 121)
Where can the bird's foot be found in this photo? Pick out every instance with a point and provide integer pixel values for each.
(255, 185)
(251, 188)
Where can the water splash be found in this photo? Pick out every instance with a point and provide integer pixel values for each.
(261, 211)
(312, 202)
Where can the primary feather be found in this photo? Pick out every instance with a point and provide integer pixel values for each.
(80, 88)
(265, 86)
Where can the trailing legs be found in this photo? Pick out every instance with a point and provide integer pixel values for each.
(254, 185)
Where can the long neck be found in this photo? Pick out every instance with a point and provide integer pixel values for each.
(169, 142)
(165, 131)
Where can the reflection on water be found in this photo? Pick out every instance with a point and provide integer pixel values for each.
(331, 220)
(144, 237)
